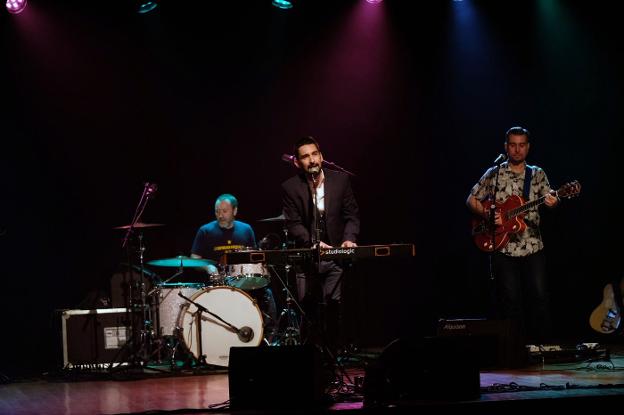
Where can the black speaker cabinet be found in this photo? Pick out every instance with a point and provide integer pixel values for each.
(275, 377)
(495, 344)
(430, 368)
(94, 336)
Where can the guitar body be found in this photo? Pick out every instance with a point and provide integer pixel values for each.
(606, 317)
(482, 231)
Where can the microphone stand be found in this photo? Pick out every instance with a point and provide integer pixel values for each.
(245, 333)
(492, 218)
(316, 234)
(337, 167)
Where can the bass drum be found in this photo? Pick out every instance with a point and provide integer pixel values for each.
(231, 305)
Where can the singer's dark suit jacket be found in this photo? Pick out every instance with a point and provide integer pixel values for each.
(341, 209)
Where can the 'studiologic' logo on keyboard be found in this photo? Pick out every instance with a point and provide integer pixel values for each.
(338, 251)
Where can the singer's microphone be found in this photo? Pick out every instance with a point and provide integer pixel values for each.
(245, 334)
(501, 157)
(288, 158)
(150, 188)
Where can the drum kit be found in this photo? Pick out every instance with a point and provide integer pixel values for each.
(201, 319)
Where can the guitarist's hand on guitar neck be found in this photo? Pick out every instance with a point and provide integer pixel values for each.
(550, 199)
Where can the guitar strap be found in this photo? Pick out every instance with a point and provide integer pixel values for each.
(526, 190)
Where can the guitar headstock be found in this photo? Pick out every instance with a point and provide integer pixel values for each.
(569, 190)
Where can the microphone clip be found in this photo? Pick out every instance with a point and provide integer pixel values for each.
(501, 158)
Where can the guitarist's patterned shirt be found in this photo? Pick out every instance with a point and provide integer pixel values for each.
(510, 183)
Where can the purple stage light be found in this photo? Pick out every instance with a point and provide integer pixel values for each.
(15, 6)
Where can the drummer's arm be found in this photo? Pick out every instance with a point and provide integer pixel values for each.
(210, 269)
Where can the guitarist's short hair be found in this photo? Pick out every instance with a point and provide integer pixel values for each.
(517, 131)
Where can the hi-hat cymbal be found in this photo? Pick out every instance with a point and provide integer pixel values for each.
(182, 262)
(141, 225)
(280, 218)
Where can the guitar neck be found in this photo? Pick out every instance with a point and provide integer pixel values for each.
(522, 209)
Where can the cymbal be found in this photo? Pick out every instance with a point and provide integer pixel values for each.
(140, 225)
(182, 262)
(280, 218)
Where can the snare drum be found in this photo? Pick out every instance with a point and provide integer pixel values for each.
(231, 305)
(247, 276)
(170, 304)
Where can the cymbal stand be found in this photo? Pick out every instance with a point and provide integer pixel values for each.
(141, 337)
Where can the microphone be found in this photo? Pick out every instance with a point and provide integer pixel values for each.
(288, 158)
(150, 189)
(501, 157)
(245, 334)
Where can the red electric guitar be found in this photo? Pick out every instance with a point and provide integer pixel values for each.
(512, 212)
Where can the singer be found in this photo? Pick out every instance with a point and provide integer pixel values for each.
(519, 267)
(320, 210)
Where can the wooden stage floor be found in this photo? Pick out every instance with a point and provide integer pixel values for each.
(542, 384)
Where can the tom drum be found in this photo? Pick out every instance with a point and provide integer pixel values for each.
(247, 276)
(170, 304)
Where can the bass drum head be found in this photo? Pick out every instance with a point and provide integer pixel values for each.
(230, 304)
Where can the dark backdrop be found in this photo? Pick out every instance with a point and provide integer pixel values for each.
(204, 97)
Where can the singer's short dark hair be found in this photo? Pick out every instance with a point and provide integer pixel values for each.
(304, 141)
(517, 131)
(227, 197)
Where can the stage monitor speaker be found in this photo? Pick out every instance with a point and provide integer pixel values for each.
(496, 344)
(429, 368)
(275, 377)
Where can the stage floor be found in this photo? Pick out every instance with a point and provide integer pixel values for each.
(557, 384)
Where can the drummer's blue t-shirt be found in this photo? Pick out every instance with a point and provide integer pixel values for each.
(212, 241)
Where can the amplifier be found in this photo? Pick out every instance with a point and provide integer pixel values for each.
(94, 336)
(494, 343)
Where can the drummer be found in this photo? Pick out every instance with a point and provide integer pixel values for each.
(226, 234)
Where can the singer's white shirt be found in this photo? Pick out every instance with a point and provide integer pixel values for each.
(320, 193)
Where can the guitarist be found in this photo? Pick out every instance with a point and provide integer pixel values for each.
(518, 267)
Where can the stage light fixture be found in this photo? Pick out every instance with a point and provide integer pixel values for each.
(283, 4)
(374, 1)
(146, 6)
(15, 6)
